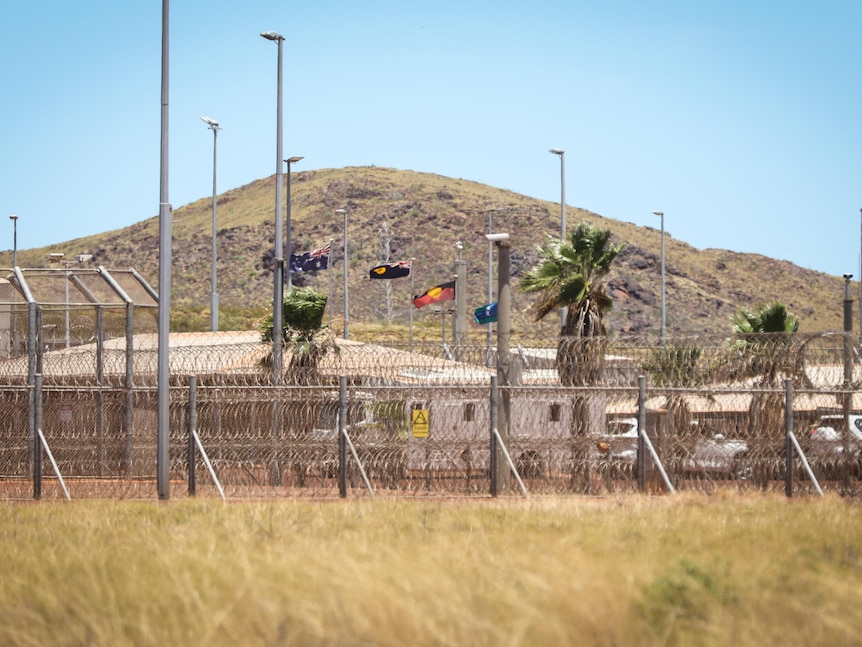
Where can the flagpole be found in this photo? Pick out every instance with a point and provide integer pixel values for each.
(346, 287)
(412, 292)
(331, 241)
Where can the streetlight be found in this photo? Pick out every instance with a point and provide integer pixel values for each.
(412, 292)
(660, 214)
(213, 125)
(278, 295)
(499, 475)
(459, 325)
(562, 154)
(163, 482)
(491, 274)
(289, 251)
(848, 350)
(14, 220)
(60, 257)
(346, 318)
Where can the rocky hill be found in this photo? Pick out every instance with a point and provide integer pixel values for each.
(399, 215)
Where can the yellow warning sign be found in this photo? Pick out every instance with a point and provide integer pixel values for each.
(420, 423)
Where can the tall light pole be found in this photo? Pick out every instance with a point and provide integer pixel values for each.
(14, 220)
(562, 154)
(289, 244)
(66, 264)
(59, 257)
(412, 293)
(848, 350)
(663, 333)
(504, 305)
(459, 326)
(163, 482)
(346, 292)
(491, 276)
(278, 285)
(213, 125)
(331, 241)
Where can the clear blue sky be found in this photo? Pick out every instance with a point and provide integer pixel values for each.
(740, 120)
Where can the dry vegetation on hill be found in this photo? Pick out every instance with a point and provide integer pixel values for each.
(425, 214)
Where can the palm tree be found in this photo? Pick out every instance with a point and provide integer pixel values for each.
(305, 336)
(569, 274)
(769, 318)
(675, 365)
(763, 339)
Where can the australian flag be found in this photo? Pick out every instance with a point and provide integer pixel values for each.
(310, 261)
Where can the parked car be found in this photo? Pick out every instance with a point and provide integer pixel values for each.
(828, 444)
(713, 454)
(705, 452)
(622, 439)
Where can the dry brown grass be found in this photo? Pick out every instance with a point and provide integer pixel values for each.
(726, 569)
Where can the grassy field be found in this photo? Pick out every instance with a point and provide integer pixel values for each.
(728, 569)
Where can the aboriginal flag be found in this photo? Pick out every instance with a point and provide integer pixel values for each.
(390, 270)
(442, 292)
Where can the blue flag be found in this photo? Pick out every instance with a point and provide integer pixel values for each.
(486, 314)
(310, 261)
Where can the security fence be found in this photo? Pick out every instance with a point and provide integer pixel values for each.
(434, 419)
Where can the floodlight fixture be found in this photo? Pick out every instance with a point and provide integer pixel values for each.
(272, 35)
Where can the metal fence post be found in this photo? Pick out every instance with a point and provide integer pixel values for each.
(641, 455)
(495, 403)
(33, 321)
(129, 386)
(788, 434)
(37, 446)
(342, 444)
(504, 330)
(101, 423)
(193, 426)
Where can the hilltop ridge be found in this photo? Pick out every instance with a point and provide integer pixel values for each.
(422, 216)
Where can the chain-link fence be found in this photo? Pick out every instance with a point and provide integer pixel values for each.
(422, 419)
